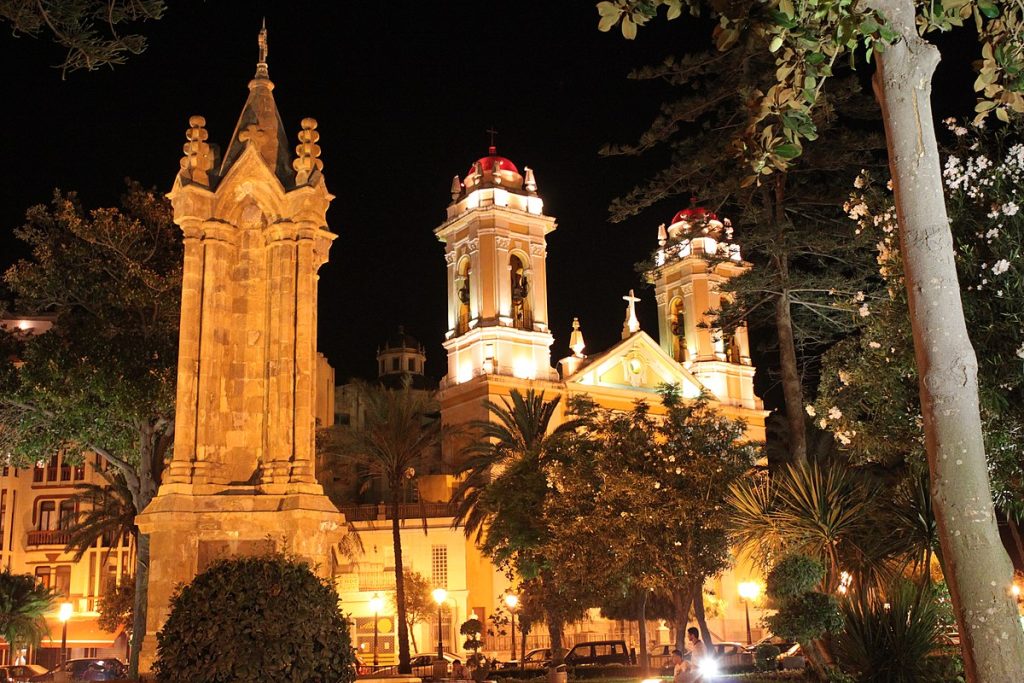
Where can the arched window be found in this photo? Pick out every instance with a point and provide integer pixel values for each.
(463, 296)
(520, 287)
(677, 326)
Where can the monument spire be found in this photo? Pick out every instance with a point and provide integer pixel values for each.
(261, 65)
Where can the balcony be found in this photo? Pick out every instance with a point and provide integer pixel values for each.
(382, 511)
(48, 537)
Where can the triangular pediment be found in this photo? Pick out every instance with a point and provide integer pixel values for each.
(638, 364)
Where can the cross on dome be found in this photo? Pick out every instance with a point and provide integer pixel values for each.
(632, 324)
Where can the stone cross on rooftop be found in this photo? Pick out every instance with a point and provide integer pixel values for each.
(632, 325)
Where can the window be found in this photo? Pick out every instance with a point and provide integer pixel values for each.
(51, 469)
(439, 565)
(396, 363)
(62, 581)
(67, 514)
(80, 473)
(47, 513)
(43, 576)
(3, 515)
(412, 365)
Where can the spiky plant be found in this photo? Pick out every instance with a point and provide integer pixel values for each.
(23, 602)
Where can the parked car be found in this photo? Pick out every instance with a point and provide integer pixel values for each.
(19, 673)
(85, 670)
(422, 665)
(731, 657)
(787, 647)
(599, 652)
(534, 659)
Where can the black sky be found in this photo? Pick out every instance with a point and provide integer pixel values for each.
(403, 93)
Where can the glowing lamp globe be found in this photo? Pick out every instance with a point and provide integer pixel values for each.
(511, 601)
(376, 604)
(440, 595)
(66, 610)
(749, 590)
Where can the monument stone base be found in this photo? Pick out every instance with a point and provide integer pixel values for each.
(188, 532)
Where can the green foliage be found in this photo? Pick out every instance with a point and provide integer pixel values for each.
(806, 617)
(766, 657)
(473, 629)
(116, 605)
(90, 31)
(869, 395)
(808, 40)
(255, 618)
(654, 484)
(23, 602)
(891, 638)
(103, 378)
(793, 576)
(109, 513)
(419, 603)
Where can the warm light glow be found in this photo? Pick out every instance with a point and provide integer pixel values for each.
(511, 600)
(473, 200)
(376, 604)
(845, 579)
(534, 205)
(488, 351)
(749, 590)
(1015, 590)
(500, 197)
(66, 610)
(465, 373)
(523, 368)
(440, 595)
(708, 668)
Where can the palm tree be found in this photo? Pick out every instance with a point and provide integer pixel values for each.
(110, 515)
(402, 433)
(505, 486)
(23, 602)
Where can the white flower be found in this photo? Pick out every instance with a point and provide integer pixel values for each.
(1010, 208)
(1000, 266)
(657, 485)
(888, 184)
(844, 377)
(822, 423)
(858, 182)
(834, 413)
(992, 234)
(959, 131)
(1020, 351)
(810, 410)
(874, 345)
(842, 438)
(859, 296)
(864, 311)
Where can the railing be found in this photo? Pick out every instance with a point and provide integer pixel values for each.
(48, 537)
(377, 581)
(382, 511)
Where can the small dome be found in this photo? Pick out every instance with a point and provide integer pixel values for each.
(487, 162)
(401, 340)
(693, 213)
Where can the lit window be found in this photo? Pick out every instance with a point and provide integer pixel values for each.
(439, 565)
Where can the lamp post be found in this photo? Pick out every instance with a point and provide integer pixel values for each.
(440, 595)
(376, 603)
(66, 610)
(511, 600)
(748, 590)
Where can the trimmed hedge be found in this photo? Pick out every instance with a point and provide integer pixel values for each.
(247, 619)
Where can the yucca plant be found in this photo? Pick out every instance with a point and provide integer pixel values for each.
(890, 637)
(23, 602)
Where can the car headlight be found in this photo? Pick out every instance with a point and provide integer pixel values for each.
(708, 668)
(651, 680)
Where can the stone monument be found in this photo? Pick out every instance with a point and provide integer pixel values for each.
(242, 476)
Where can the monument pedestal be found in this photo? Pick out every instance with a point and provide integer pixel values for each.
(188, 532)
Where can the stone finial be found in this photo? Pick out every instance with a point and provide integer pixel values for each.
(576, 339)
(198, 159)
(261, 65)
(496, 172)
(456, 188)
(531, 180)
(307, 152)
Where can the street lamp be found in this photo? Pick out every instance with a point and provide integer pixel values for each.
(440, 595)
(749, 590)
(376, 603)
(66, 610)
(511, 600)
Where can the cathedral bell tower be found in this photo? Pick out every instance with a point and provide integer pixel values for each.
(495, 250)
(696, 254)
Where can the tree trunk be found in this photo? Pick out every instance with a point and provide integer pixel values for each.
(412, 637)
(979, 573)
(643, 661)
(140, 604)
(555, 627)
(792, 389)
(681, 601)
(404, 664)
(1018, 543)
(698, 611)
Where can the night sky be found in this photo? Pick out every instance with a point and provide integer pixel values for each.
(403, 93)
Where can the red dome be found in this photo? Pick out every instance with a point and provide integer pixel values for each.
(694, 213)
(487, 163)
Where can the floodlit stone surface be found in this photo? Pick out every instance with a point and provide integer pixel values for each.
(242, 479)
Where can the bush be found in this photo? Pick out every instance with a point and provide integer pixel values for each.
(806, 617)
(255, 619)
(793, 576)
(892, 639)
(766, 657)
